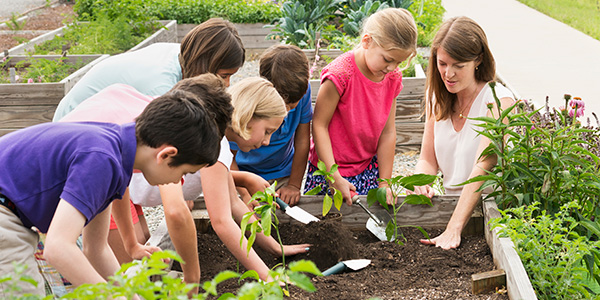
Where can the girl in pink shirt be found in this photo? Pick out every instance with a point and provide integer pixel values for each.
(353, 123)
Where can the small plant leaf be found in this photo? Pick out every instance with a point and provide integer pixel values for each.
(225, 275)
(250, 274)
(377, 195)
(302, 281)
(327, 202)
(417, 199)
(390, 230)
(338, 199)
(306, 266)
(410, 182)
(314, 191)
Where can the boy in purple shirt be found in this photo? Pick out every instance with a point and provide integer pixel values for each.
(61, 177)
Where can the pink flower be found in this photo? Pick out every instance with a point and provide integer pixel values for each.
(29, 80)
(577, 107)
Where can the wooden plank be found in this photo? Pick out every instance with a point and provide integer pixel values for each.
(23, 94)
(24, 116)
(506, 257)
(330, 54)
(71, 59)
(409, 110)
(253, 36)
(409, 133)
(488, 281)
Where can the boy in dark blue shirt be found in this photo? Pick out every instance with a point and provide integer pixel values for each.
(61, 177)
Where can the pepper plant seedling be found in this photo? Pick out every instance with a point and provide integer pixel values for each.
(332, 195)
(268, 218)
(396, 184)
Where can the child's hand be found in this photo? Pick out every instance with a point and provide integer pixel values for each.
(255, 183)
(390, 197)
(426, 190)
(289, 194)
(344, 186)
(294, 249)
(140, 251)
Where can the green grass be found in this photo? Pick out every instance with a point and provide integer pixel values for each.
(583, 15)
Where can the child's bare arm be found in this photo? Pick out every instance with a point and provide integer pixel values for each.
(121, 211)
(182, 230)
(386, 146)
(219, 190)
(290, 194)
(327, 101)
(62, 252)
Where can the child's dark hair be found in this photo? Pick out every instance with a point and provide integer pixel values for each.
(213, 45)
(212, 90)
(286, 66)
(180, 119)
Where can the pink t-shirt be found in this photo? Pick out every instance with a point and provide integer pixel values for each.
(117, 103)
(360, 115)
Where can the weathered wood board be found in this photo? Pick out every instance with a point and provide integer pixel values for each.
(253, 36)
(506, 257)
(27, 104)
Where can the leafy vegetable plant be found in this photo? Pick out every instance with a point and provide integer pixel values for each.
(397, 184)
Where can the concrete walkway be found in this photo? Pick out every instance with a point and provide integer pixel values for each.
(537, 55)
(8, 7)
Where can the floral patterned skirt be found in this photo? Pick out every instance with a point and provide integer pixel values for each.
(363, 182)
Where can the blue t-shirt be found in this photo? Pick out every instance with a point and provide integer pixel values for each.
(152, 70)
(86, 164)
(275, 160)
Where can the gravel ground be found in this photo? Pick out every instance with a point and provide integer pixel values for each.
(8, 7)
(404, 163)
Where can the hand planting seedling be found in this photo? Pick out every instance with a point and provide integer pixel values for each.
(336, 196)
(396, 184)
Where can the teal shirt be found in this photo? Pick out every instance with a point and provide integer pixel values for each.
(152, 70)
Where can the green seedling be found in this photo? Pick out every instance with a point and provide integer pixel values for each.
(397, 184)
(332, 195)
(280, 274)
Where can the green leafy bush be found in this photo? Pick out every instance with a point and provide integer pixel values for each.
(139, 20)
(554, 255)
(428, 14)
(548, 181)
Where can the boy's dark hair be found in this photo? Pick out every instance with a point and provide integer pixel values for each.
(286, 66)
(180, 119)
(212, 91)
(213, 45)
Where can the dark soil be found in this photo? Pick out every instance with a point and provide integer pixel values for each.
(38, 21)
(411, 271)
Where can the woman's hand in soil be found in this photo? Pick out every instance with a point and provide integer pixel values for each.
(294, 249)
(426, 190)
(289, 194)
(447, 240)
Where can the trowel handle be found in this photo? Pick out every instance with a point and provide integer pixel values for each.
(337, 268)
(371, 215)
(282, 204)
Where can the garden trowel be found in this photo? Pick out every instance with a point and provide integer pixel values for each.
(296, 212)
(376, 223)
(354, 265)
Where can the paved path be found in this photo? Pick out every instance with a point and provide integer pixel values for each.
(537, 55)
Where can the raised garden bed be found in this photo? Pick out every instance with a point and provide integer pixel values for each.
(167, 34)
(412, 271)
(26, 104)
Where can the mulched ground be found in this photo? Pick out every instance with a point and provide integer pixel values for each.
(411, 271)
(45, 19)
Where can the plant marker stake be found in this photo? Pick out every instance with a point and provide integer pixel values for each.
(12, 75)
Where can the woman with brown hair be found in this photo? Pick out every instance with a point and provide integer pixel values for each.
(460, 67)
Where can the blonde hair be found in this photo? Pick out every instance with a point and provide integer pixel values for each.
(464, 40)
(254, 97)
(392, 29)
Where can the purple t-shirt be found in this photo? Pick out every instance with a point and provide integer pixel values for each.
(86, 164)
